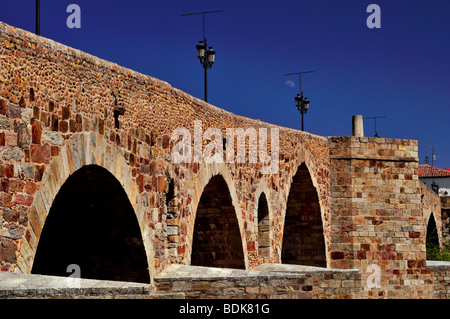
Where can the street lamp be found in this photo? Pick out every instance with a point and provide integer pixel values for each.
(206, 57)
(435, 187)
(38, 17)
(201, 49)
(301, 103)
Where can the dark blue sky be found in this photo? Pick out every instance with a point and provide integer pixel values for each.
(400, 71)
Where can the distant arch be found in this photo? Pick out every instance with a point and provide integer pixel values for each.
(432, 238)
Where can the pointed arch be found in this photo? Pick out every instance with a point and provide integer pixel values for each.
(217, 238)
(432, 238)
(303, 234)
(264, 245)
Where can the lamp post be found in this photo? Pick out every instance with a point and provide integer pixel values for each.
(302, 103)
(205, 56)
(435, 187)
(38, 17)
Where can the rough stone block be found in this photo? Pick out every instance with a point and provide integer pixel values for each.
(53, 138)
(8, 248)
(202, 285)
(40, 153)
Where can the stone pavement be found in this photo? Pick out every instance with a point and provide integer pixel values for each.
(14, 285)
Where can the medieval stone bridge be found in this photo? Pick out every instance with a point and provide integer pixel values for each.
(88, 178)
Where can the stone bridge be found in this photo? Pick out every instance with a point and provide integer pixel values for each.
(88, 178)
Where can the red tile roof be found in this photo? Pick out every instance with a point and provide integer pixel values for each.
(430, 171)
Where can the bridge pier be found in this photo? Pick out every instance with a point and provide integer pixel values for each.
(377, 214)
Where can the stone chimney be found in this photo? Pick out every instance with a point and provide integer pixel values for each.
(357, 126)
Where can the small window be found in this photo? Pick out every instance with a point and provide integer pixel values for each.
(117, 113)
(31, 94)
(170, 196)
(263, 227)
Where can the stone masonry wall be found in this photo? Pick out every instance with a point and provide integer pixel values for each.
(268, 282)
(377, 216)
(441, 277)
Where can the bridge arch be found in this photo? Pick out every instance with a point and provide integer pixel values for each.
(304, 238)
(217, 215)
(432, 237)
(92, 224)
(263, 219)
(81, 153)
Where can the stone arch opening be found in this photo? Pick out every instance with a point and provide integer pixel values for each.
(216, 239)
(303, 236)
(263, 227)
(92, 224)
(432, 238)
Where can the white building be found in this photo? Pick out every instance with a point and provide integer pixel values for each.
(435, 178)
